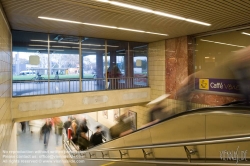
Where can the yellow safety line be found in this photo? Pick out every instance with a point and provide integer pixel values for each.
(108, 164)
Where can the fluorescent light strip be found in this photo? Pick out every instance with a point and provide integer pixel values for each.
(104, 26)
(36, 49)
(153, 12)
(244, 33)
(71, 43)
(40, 49)
(56, 19)
(43, 41)
(131, 6)
(210, 41)
(33, 45)
(61, 46)
(134, 30)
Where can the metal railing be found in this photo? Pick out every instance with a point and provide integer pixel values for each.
(43, 87)
(147, 151)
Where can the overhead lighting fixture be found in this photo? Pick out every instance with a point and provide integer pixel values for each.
(207, 57)
(210, 41)
(130, 6)
(56, 19)
(99, 25)
(87, 52)
(104, 26)
(34, 45)
(43, 49)
(244, 33)
(43, 41)
(54, 41)
(36, 49)
(134, 30)
(62, 46)
(153, 12)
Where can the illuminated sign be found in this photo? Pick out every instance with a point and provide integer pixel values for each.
(204, 84)
(217, 85)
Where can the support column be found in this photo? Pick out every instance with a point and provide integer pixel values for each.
(129, 67)
(99, 67)
(80, 64)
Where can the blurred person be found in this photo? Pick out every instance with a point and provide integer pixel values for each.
(96, 138)
(74, 131)
(240, 64)
(163, 110)
(82, 139)
(23, 126)
(83, 123)
(45, 131)
(123, 127)
(113, 73)
(67, 124)
(58, 128)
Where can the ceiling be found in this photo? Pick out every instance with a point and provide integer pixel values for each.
(23, 15)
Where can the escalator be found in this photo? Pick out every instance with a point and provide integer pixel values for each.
(205, 136)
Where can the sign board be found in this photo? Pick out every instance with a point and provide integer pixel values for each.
(217, 85)
(34, 60)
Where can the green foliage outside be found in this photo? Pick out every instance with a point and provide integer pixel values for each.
(61, 77)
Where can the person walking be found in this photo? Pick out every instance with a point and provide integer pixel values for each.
(58, 128)
(45, 131)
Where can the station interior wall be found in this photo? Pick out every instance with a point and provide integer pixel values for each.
(7, 127)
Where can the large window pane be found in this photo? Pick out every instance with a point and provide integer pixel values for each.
(30, 63)
(214, 67)
(64, 63)
(93, 66)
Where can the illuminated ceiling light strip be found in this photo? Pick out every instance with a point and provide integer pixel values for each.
(99, 25)
(134, 30)
(157, 33)
(244, 33)
(36, 49)
(56, 50)
(111, 46)
(91, 45)
(169, 15)
(210, 41)
(43, 41)
(197, 22)
(68, 42)
(153, 12)
(33, 45)
(54, 41)
(62, 46)
(56, 19)
(131, 6)
(92, 49)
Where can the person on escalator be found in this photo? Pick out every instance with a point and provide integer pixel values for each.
(74, 131)
(96, 138)
(82, 139)
(240, 65)
(123, 127)
(67, 125)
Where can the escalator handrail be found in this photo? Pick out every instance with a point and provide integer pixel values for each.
(218, 140)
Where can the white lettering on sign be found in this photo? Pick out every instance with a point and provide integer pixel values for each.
(217, 85)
